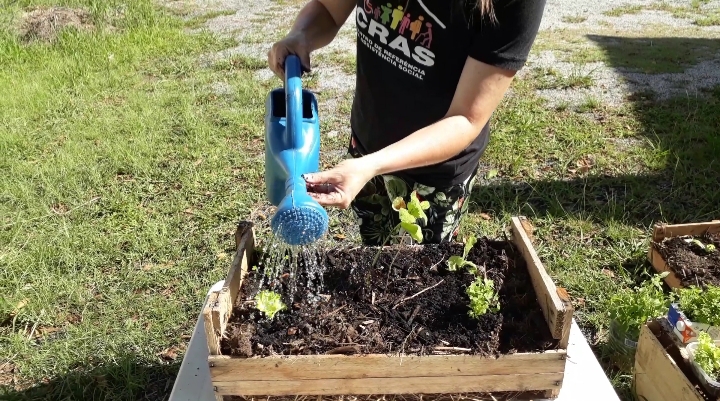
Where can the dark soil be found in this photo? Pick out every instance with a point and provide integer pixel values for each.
(356, 312)
(691, 264)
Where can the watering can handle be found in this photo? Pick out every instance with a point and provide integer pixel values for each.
(293, 99)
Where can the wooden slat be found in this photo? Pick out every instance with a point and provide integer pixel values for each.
(244, 253)
(657, 376)
(379, 366)
(213, 337)
(218, 308)
(663, 231)
(558, 311)
(411, 385)
(660, 266)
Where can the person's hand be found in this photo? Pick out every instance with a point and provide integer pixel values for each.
(339, 185)
(294, 43)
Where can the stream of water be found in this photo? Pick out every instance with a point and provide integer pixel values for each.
(297, 262)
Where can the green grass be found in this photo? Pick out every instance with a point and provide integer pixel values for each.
(124, 174)
(623, 10)
(651, 52)
(553, 79)
(574, 19)
(123, 178)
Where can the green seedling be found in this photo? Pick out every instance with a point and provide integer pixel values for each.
(709, 248)
(483, 297)
(410, 214)
(458, 262)
(701, 306)
(269, 303)
(632, 308)
(707, 355)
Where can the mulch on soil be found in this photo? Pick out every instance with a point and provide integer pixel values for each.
(691, 264)
(356, 312)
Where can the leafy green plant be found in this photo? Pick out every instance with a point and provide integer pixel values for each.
(410, 214)
(630, 309)
(707, 355)
(483, 297)
(269, 303)
(701, 306)
(458, 262)
(709, 248)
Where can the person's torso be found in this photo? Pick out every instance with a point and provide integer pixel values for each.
(410, 56)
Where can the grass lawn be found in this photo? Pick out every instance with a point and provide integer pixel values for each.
(127, 162)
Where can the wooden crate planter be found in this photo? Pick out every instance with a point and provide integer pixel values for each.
(662, 372)
(663, 231)
(385, 374)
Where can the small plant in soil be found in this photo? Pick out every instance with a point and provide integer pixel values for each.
(269, 303)
(701, 306)
(630, 309)
(707, 356)
(483, 296)
(410, 214)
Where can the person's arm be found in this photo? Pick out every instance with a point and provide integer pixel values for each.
(320, 20)
(479, 91)
(316, 25)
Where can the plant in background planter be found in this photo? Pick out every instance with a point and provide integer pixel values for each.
(696, 311)
(630, 309)
(705, 358)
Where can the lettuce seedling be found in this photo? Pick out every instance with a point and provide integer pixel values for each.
(701, 306)
(410, 214)
(707, 355)
(483, 297)
(631, 308)
(269, 303)
(457, 262)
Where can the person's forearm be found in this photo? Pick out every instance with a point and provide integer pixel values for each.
(316, 25)
(433, 144)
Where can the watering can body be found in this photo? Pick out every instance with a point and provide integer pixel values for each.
(292, 148)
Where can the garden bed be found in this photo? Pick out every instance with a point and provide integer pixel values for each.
(364, 331)
(662, 369)
(683, 251)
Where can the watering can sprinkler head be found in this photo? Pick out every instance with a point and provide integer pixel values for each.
(292, 149)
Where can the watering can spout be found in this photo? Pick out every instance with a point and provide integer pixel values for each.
(292, 148)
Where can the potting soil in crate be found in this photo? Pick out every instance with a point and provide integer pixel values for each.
(689, 252)
(362, 328)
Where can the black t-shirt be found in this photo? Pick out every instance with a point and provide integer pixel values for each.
(410, 56)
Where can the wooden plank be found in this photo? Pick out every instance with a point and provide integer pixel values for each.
(661, 372)
(409, 385)
(558, 312)
(663, 231)
(213, 337)
(244, 253)
(660, 266)
(378, 366)
(218, 307)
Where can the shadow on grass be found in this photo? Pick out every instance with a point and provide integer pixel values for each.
(682, 186)
(127, 378)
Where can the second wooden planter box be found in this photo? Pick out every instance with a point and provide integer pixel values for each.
(540, 372)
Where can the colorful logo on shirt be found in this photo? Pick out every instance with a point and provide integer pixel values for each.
(400, 38)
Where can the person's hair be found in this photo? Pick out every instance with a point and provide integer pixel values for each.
(486, 9)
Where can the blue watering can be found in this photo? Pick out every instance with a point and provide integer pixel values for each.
(292, 148)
